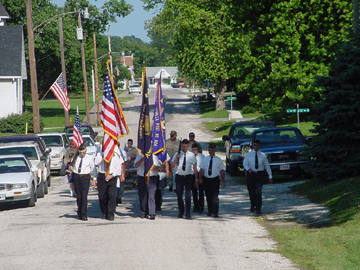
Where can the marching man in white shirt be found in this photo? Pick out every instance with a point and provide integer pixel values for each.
(255, 164)
(106, 182)
(211, 174)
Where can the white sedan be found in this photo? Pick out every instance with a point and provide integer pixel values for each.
(135, 88)
(17, 180)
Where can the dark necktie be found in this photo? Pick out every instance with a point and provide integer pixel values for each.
(256, 161)
(210, 166)
(184, 162)
(79, 169)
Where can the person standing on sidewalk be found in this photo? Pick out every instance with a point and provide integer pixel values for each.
(185, 167)
(106, 182)
(211, 174)
(255, 164)
(147, 189)
(81, 170)
(192, 141)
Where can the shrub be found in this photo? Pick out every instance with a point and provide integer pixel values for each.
(248, 109)
(15, 123)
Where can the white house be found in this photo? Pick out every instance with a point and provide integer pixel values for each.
(12, 66)
(153, 75)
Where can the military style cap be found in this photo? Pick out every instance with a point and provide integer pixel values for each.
(173, 133)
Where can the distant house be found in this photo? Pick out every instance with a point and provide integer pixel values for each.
(12, 66)
(127, 61)
(153, 75)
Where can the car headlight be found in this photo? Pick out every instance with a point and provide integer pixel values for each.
(57, 155)
(19, 185)
(235, 149)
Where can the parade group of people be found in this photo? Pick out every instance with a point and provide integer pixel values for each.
(185, 170)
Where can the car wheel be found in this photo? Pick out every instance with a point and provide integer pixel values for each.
(40, 190)
(63, 168)
(46, 187)
(32, 200)
(233, 169)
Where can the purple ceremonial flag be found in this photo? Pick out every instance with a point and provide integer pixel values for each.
(144, 132)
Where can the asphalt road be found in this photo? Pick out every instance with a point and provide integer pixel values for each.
(48, 236)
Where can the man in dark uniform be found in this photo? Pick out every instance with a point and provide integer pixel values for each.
(83, 166)
(211, 174)
(255, 164)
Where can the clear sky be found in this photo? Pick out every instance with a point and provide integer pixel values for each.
(133, 24)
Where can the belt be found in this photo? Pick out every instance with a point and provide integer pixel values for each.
(257, 171)
(101, 173)
(186, 175)
(82, 175)
(212, 177)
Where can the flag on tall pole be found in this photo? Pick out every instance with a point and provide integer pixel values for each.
(159, 131)
(77, 134)
(144, 132)
(60, 92)
(112, 117)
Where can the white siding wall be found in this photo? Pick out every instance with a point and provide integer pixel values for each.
(10, 97)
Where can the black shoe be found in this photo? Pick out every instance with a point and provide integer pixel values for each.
(103, 216)
(252, 209)
(180, 216)
(258, 212)
(209, 214)
(170, 189)
(188, 217)
(84, 218)
(111, 218)
(119, 201)
(143, 216)
(151, 217)
(216, 215)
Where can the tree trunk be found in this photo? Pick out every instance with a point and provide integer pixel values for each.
(219, 95)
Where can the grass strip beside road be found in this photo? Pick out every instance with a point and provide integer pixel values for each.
(331, 247)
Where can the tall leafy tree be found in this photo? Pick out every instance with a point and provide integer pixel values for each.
(335, 152)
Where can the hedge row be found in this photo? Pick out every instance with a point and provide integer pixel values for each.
(15, 123)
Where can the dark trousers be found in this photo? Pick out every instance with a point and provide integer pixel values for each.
(255, 182)
(181, 182)
(198, 196)
(107, 198)
(146, 194)
(81, 184)
(212, 189)
(120, 191)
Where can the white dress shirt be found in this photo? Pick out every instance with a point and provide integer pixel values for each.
(87, 165)
(217, 166)
(115, 163)
(190, 161)
(141, 168)
(199, 158)
(249, 162)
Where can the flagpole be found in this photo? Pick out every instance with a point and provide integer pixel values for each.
(63, 67)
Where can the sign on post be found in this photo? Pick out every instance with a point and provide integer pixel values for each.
(231, 98)
(306, 110)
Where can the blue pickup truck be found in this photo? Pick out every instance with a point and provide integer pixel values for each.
(283, 147)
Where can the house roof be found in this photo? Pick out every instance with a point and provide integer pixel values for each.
(129, 60)
(3, 13)
(12, 51)
(166, 72)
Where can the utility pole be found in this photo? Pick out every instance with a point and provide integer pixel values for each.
(110, 54)
(356, 17)
(84, 71)
(63, 67)
(32, 64)
(96, 82)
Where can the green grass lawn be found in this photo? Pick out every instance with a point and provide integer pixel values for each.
(333, 247)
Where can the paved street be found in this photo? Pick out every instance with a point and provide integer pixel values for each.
(48, 236)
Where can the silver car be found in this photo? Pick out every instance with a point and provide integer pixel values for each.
(17, 180)
(135, 88)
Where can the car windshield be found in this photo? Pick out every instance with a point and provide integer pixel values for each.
(283, 137)
(135, 85)
(52, 140)
(84, 130)
(244, 131)
(88, 141)
(29, 152)
(13, 165)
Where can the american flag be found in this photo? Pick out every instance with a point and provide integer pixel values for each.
(112, 118)
(60, 92)
(77, 135)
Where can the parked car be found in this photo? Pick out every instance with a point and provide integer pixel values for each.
(45, 151)
(174, 85)
(60, 148)
(38, 162)
(239, 133)
(181, 84)
(85, 130)
(283, 147)
(135, 88)
(18, 181)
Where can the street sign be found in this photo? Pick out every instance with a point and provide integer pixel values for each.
(231, 98)
(300, 110)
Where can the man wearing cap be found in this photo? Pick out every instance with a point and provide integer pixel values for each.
(172, 147)
(81, 169)
(192, 141)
